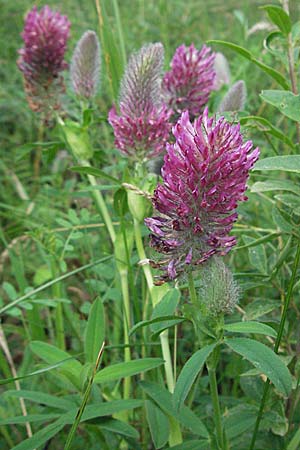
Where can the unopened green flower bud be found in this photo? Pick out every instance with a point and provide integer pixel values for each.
(85, 65)
(222, 70)
(219, 291)
(235, 98)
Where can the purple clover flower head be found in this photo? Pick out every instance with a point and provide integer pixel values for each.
(142, 128)
(204, 177)
(144, 136)
(41, 59)
(85, 65)
(191, 79)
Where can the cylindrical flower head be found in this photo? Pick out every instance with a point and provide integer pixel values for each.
(235, 98)
(142, 128)
(141, 84)
(204, 176)
(86, 65)
(219, 291)
(41, 59)
(191, 79)
(221, 67)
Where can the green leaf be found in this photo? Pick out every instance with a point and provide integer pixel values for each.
(256, 242)
(275, 185)
(189, 373)
(280, 221)
(290, 200)
(164, 400)
(288, 163)
(166, 307)
(277, 76)
(32, 374)
(238, 421)
(102, 409)
(158, 424)
(111, 54)
(126, 369)
(193, 445)
(29, 418)
(257, 255)
(250, 327)
(87, 170)
(120, 202)
(95, 331)
(70, 368)
(119, 427)
(264, 359)
(260, 307)
(166, 319)
(295, 442)
(285, 101)
(77, 139)
(283, 255)
(91, 412)
(41, 436)
(266, 126)
(279, 17)
(41, 397)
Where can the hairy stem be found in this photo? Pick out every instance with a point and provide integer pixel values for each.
(126, 320)
(101, 205)
(216, 405)
(175, 433)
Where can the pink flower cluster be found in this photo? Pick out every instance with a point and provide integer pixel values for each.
(147, 102)
(191, 79)
(142, 128)
(141, 136)
(204, 176)
(41, 59)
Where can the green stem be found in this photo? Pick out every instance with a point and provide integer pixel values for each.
(277, 344)
(142, 255)
(216, 405)
(126, 305)
(59, 318)
(101, 204)
(84, 402)
(175, 433)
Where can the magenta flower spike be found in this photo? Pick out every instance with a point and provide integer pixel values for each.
(41, 59)
(191, 79)
(204, 177)
(142, 128)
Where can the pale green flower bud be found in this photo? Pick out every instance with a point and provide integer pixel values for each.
(222, 70)
(235, 98)
(86, 65)
(219, 291)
